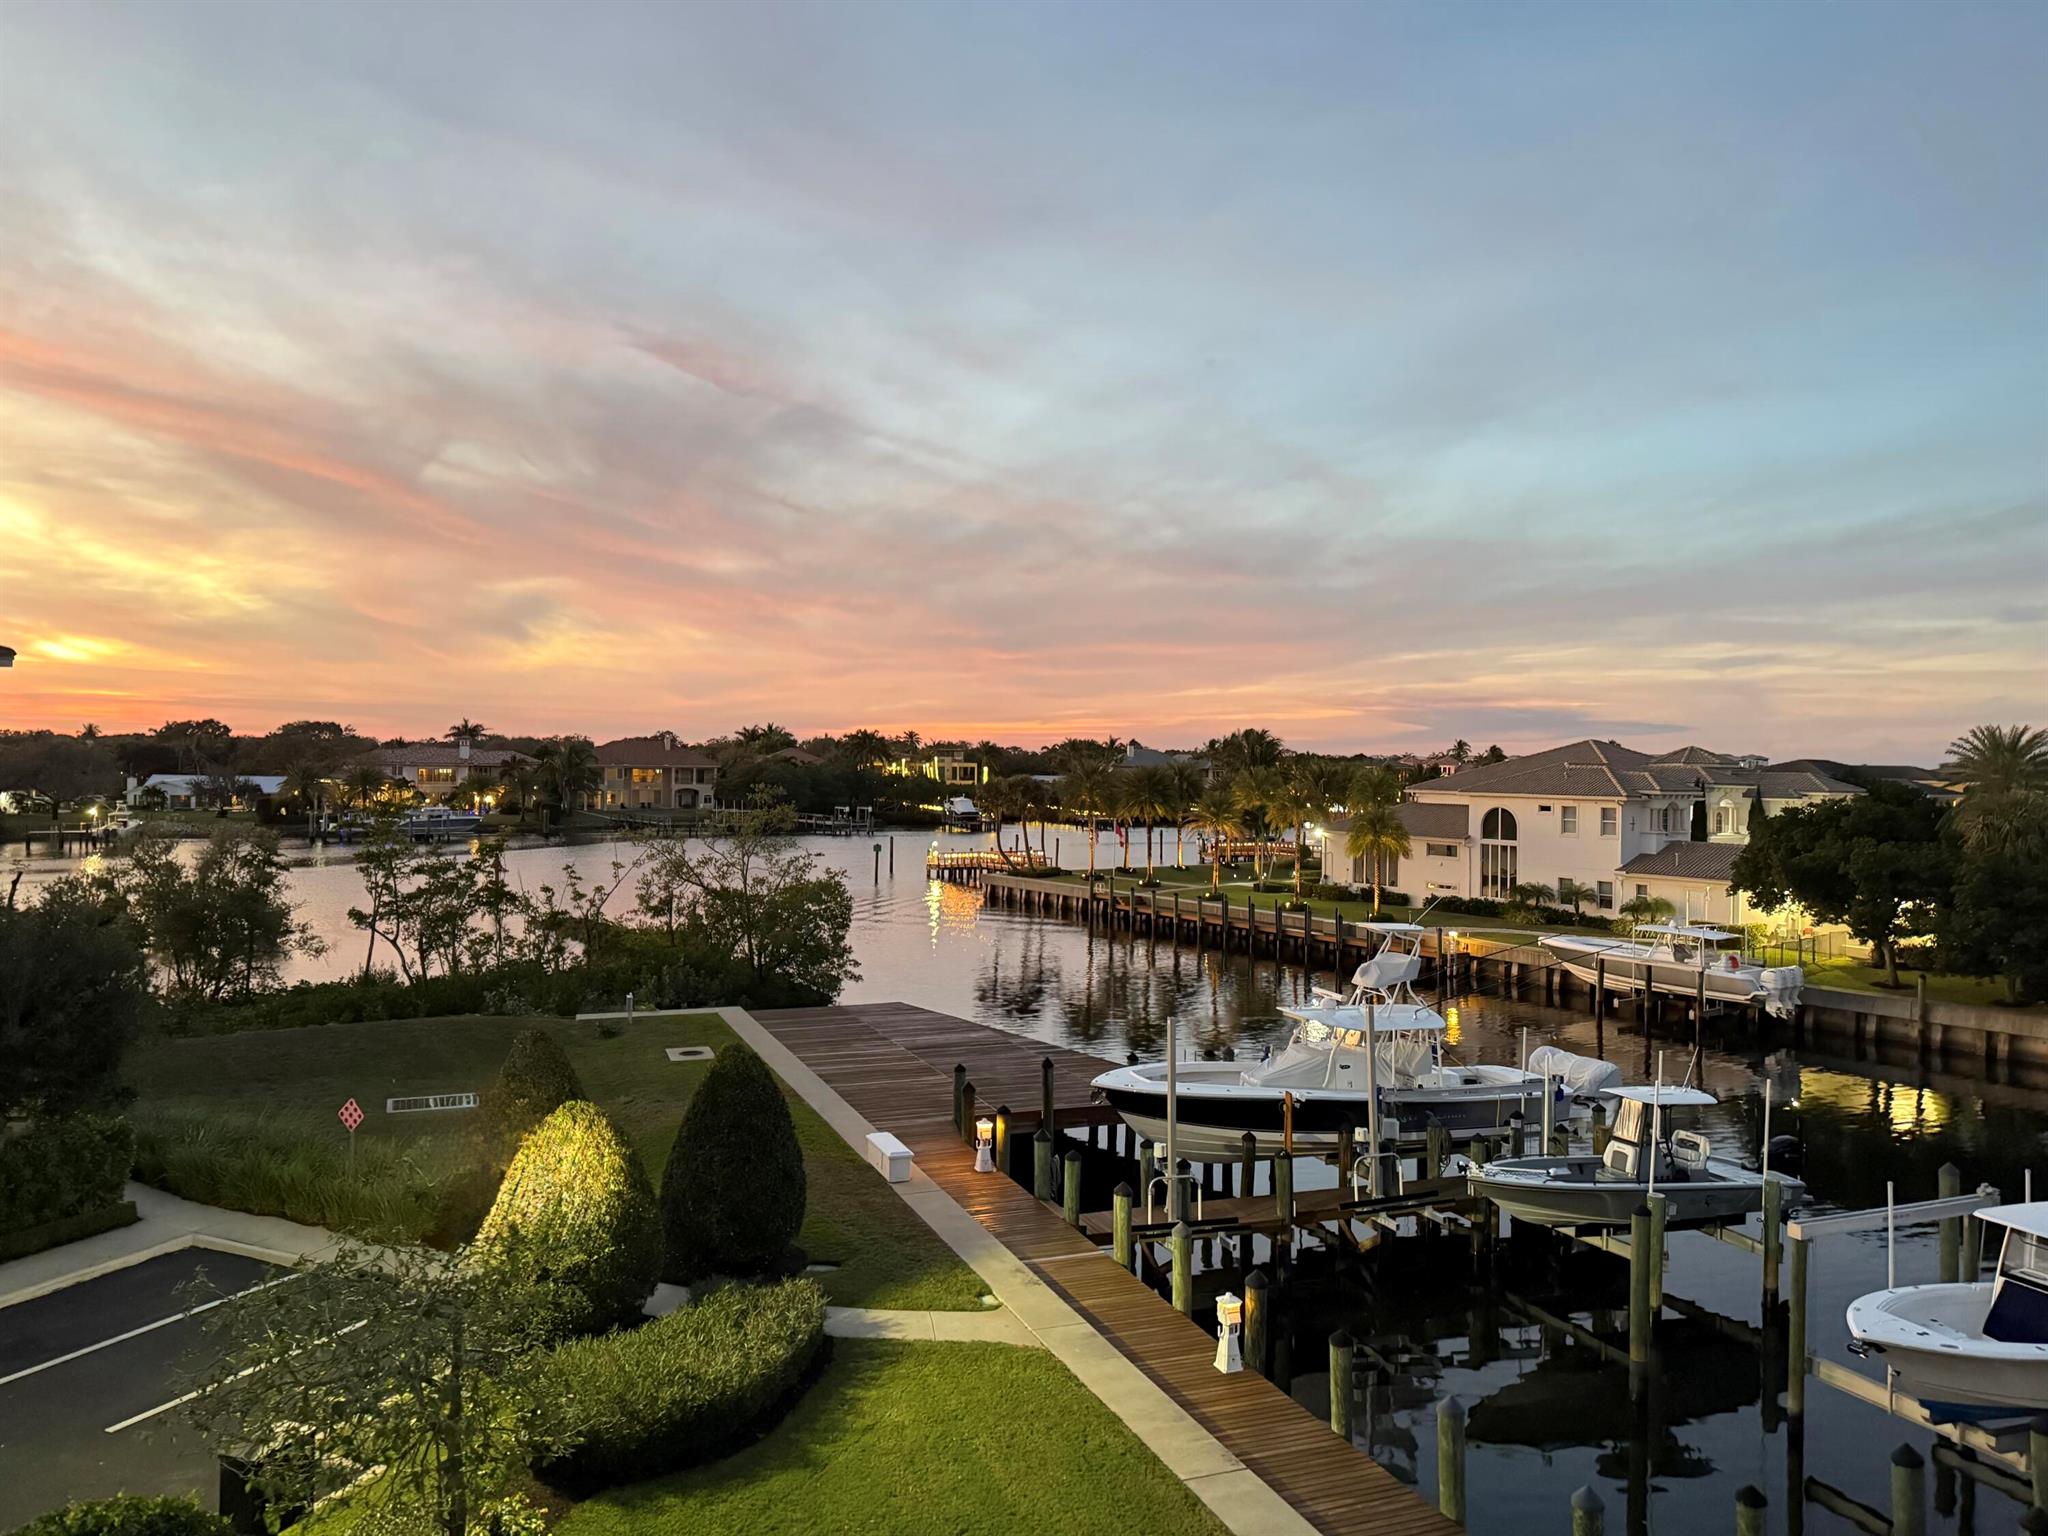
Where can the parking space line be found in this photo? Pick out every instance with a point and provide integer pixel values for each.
(136, 1333)
(179, 1402)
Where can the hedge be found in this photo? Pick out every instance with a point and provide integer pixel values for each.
(689, 1388)
(577, 1212)
(535, 1080)
(732, 1195)
(23, 1241)
(128, 1514)
(63, 1166)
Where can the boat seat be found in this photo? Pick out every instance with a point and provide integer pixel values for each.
(1689, 1150)
(2019, 1313)
(1621, 1158)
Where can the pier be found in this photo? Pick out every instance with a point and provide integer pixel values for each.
(895, 1064)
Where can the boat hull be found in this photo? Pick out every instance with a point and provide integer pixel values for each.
(1629, 977)
(1931, 1335)
(1529, 1189)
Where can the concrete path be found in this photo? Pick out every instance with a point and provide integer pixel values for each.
(997, 1327)
(167, 1224)
(1233, 1492)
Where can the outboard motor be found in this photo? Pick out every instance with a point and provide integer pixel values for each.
(1788, 1154)
(1782, 985)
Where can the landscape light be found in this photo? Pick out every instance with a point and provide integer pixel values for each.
(984, 1136)
(1229, 1331)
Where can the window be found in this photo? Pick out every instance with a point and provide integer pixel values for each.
(1607, 819)
(1544, 808)
(1568, 821)
(1642, 890)
(1606, 895)
(1497, 854)
(646, 775)
(437, 775)
(1441, 850)
(1663, 818)
(1724, 819)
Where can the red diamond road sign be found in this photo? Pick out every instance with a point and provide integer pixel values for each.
(351, 1114)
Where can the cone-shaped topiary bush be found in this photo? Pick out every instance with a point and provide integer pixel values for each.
(576, 1211)
(732, 1196)
(535, 1080)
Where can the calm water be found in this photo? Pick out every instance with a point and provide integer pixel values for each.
(1548, 1408)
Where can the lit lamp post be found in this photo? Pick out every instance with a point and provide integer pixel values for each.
(984, 1138)
(1229, 1333)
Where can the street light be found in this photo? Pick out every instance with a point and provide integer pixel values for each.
(984, 1137)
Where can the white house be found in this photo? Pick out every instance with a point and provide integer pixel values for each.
(184, 791)
(437, 769)
(1615, 821)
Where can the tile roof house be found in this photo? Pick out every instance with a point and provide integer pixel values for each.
(654, 772)
(436, 768)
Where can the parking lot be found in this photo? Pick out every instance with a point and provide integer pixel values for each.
(92, 1379)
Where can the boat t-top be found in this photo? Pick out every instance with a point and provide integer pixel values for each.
(1644, 1155)
(1977, 1344)
(1674, 958)
(1324, 1078)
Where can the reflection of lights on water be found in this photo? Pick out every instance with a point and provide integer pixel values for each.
(1452, 1031)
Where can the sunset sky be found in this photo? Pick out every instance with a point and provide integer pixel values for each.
(1376, 373)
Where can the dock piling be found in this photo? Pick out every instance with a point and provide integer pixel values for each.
(967, 1113)
(1342, 1359)
(1041, 1164)
(1070, 1189)
(1909, 1492)
(1439, 1147)
(1589, 1514)
(1795, 1330)
(1247, 1164)
(1639, 1303)
(959, 1088)
(1450, 1459)
(1601, 1134)
(2037, 1458)
(1517, 1140)
(1183, 1270)
(1949, 1182)
(1048, 1115)
(1283, 1187)
(1120, 1209)
(1749, 1510)
(1660, 1213)
(1774, 1239)
(1001, 1149)
(1258, 1323)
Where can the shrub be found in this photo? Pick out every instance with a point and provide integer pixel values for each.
(62, 1166)
(534, 1082)
(689, 1388)
(577, 1210)
(273, 1167)
(128, 1514)
(732, 1196)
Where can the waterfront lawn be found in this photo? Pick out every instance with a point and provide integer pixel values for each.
(1853, 976)
(293, 1081)
(918, 1438)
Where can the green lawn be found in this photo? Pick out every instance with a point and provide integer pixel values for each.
(1851, 976)
(887, 1256)
(918, 1440)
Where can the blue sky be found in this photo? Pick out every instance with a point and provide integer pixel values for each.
(1380, 373)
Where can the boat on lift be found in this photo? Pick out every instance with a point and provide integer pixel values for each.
(1977, 1345)
(1643, 1156)
(439, 821)
(1325, 1079)
(1676, 959)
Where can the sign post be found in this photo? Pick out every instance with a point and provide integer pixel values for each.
(351, 1115)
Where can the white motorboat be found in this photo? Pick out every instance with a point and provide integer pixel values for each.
(1323, 1079)
(1675, 959)
(1643, 1156)
(1977, 1344)
(439, 821)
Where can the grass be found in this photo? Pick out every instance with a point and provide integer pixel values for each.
(918, 1439)
(1853, 976)
(284, 1084)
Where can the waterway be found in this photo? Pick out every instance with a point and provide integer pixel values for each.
(1548, 1410)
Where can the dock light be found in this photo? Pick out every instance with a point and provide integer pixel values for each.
(984, 1138)
(1229, 1333)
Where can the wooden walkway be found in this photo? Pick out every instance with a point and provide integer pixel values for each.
(894, 1064)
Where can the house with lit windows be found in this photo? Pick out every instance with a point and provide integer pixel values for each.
(655, 773)
(1617, 822)
(437, 769)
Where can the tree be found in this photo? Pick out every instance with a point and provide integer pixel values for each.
(72, 982)
(220, 925)
(366, 785)
(197, 741)
(1379, 836)
(1373, 784)
(763, 901)
(1215, 816)
(1999, 759)
(1261, 795)
(732, 1196)
(568, 768)
(1461, 751)
(395, 1359)
(1997, 920)
(1643, 909)
(465, 730)
(306, 782)
(1241, 750)
(766, 738)
(1293, 802)
(1527, 897)
(1185, 784)
(1085, 792)
(1494, 755)
(1147, 797)
(1875, 861)
(1572, 894)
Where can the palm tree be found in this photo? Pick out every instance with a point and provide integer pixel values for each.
(521, 782)
(863, 749)
(1253, 747)
(1325, 787)
(568, 768)
(308, 783)
(1148, 797)
(1214, 815)
(1643, 909)
(1085, 792)
(1295, 804)
(1374, 784)
(1257, 792)
(366, 785)
(997, 799)
(1184, 786)
(1377, 835)
(465, 730)
(1999, 759)
(1525, 898)
(1461, 751)
(1574, 895)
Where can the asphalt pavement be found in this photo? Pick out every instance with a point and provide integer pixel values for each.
(90, 1378)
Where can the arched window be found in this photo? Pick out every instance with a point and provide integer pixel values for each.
(1724, 819)
(1497, 854)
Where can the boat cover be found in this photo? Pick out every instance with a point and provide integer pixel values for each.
(1581, 1075)
(1301, 1065)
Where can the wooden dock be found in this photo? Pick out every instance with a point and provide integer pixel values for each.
(893, 1063)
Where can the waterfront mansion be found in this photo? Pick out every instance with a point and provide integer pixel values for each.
(1616, 822)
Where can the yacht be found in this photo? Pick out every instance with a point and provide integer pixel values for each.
(1973, 1345)
(1674, 958)
(439, 821)
(1643, 1156)
(1324, 1078)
